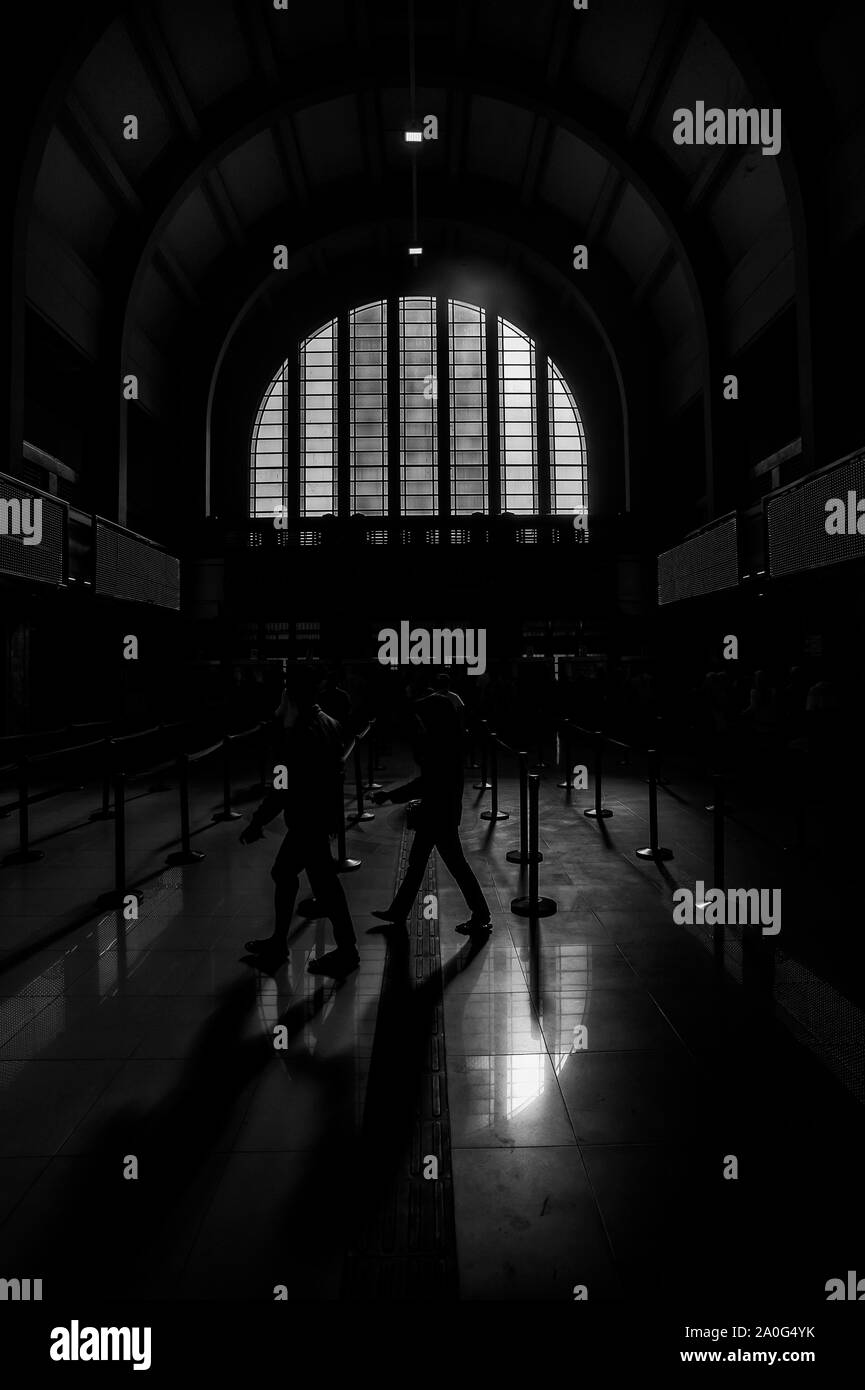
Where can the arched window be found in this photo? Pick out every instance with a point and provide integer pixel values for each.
(484, 420)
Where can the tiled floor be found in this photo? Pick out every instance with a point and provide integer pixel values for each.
(601, 1070)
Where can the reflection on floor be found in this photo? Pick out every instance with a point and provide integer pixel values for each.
(598, 1073)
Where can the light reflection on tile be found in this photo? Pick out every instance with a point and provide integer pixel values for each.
(506, 1099)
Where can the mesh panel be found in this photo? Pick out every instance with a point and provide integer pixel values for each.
(23, 512)
(798, 539)
(130, 568)
(701, 565)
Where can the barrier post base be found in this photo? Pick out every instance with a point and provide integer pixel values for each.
(101, 815)
(347, 866)
(603, 814)
(565, 786)
(499, 815)
(24, 856)
(191, 856)
(524, 907)
(373, 787)
(482, 786)
(649, 853)
(514, 856)
(227, 815)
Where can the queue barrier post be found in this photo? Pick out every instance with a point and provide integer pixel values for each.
(532, 905)
(520, 855)
(599, 811)
(344, 864)
(494, 814)
(371, 784)
(186, 854)
(360, 814)
(653, 850)
(105, 811)
(567, 758)
(24, 854)
(117, 896)
(483, 785)
(226, 813)
(660, 780)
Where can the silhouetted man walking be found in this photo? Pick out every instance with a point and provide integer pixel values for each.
(440, 788)
(311, 746)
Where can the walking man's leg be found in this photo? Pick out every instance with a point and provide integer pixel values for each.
(285, 871)
(453, 857)
(328, 890)
(418, 857)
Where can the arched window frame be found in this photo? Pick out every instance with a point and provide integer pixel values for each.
(529, 456)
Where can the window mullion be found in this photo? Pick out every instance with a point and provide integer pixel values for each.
(343, 416)
(493, 414)
(443, 387)
(542, 416)
(394, 408)
(291, 428)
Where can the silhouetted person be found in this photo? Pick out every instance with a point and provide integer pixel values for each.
(311, 746)
(440, 788)
(335, 701)
(443, 687)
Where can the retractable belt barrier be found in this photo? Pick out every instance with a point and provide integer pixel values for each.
(531, 904)
(494, 743)
(520, 855)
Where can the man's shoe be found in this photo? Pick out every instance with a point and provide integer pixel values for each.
(335, 963)
(388, 916)
(474, 926)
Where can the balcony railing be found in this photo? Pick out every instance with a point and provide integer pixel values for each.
(422, 531)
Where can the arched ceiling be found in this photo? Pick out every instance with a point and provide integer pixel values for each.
(252, 118)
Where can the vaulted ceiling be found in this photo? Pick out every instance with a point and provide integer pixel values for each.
(259, 126)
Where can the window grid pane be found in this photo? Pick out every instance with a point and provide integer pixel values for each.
(518, 425)
(267, 474)
(468, 409)
(368, 394)
(318, 423)
(568, 474)
(418, 448)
